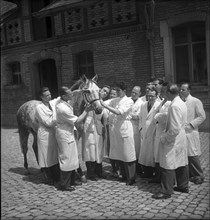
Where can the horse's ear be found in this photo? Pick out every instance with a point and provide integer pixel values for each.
(95, 78)
(84, 78)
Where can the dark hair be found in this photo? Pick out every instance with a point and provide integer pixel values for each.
(107, 87)
(43, 90)
(121, 85)
(113, 88)
(64, 90)
(188, 85)
(173, 88)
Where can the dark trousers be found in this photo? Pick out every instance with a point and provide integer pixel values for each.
(52, 173)
(128, 170)
(148, 171)
(139, 169)
(168, 177)
(90, 169)
(195, 169)
(157, 172)
(66, 178)
(115, 165)
(98, 169)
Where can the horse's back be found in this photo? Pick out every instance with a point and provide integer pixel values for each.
(26, 115)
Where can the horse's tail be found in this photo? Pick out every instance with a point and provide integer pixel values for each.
(23, 137)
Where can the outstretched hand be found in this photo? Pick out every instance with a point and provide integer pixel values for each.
(102, 103)
(89, 108)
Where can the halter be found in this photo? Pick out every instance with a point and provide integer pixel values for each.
(87, 100)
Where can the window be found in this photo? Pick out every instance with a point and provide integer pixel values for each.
(42, 27)
(85, 64)
(16, 73)
(190, 53)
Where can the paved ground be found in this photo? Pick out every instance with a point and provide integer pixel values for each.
(27, 197)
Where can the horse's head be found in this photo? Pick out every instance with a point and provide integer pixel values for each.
(90, 92)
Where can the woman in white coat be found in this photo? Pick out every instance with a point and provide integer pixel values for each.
(67, 145)
(122, 146)
(46, 141)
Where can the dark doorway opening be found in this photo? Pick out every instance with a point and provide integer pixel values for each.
(48, 76)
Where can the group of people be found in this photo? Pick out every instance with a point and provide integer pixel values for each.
(154, 136)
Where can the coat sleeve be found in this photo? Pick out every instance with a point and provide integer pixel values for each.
(43, 117)
(175, 126)
(200, 114)
(126, 107)
(66, 114)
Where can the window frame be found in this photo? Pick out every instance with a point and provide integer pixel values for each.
(190, 43)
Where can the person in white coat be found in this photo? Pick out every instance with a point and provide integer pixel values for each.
(115, 166)
(173, 149)
(47, 144)
(160, 126)
(67, 145)
(93, 138)
(122, 147)
(135, 111)
(195, 117)
(147, 128)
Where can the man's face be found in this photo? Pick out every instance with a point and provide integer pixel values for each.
(152, 97)
(135, 93)
(163, 92)
(120, 92)
(113, 94)
(46, 96)
(157, 85)
(184, 91)
(104, 92)
(149, 88)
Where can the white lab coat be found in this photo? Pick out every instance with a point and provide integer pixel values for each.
(46, 141)
(135, 111)
(121, 131)
(93, 138)
(67, 146)
(160, 126)
(147, 127)
(195, 116)
(173, 146)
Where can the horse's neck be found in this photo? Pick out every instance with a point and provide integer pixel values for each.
(78, 104)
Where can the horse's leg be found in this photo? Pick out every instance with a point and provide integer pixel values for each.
(34, 146)
(23, 136)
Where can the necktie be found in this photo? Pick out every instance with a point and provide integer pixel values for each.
(149, 106)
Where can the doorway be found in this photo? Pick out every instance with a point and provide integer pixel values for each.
(48, 76)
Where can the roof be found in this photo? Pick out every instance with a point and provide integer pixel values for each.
(60, 5)
(6, 7)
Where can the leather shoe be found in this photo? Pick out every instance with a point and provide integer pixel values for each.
(70, 188)
(93, 178)
(184, 190)
(198, 181)
(130, 182)
(76, 183)
(161, 196)
(154, 181)
(121, 179)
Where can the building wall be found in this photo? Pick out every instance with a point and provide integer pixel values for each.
(119, 54)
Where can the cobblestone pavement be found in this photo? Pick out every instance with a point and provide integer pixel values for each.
(28, 197)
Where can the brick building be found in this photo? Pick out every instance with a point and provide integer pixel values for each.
(46, 42)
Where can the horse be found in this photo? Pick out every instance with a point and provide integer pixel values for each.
(85, 91)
